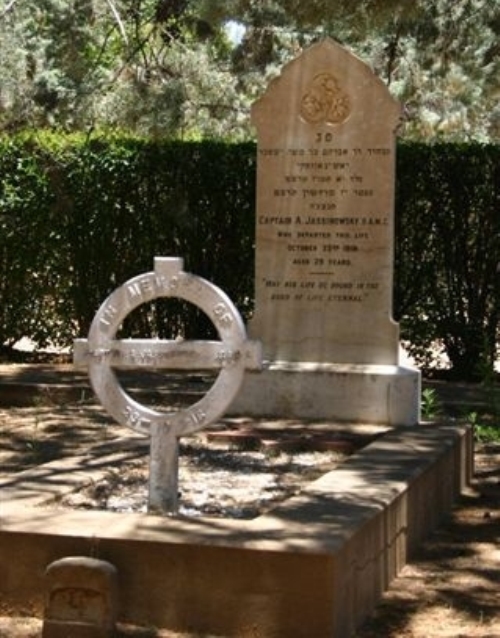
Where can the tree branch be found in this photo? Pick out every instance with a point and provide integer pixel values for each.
(8, 8)
(116, 15)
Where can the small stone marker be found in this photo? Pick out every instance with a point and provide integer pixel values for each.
(326, 132)
(81, 598)
(101, 352)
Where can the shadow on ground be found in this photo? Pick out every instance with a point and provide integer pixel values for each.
(451, 586)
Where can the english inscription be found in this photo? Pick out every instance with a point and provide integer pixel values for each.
(325, 240)
(325, 220)
(102, 352)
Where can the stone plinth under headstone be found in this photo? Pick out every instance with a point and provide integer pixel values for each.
(324, 246)
(81, 598)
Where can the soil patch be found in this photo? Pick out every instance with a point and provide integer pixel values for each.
(215, 480)
(237, 468)
(451, 588)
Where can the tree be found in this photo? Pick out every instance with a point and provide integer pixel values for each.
(168, 67)
(440, 58)
(147, 66)
(48, 50)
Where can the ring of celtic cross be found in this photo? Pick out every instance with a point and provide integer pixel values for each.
(101, 352)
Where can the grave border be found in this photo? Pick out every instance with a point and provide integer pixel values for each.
(315, 565)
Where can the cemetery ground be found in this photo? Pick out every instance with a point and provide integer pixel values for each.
(450, 588)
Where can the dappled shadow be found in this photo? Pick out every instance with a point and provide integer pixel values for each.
(41, 374)
(32, 436)
(36, 439)
(454, 550)
(454, 571)
(41, 384)
(460, 399)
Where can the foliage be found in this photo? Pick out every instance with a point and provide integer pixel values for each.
(484, 432)
(29, 270)
(149, 66)
(83, 218)
(484, 416)
(169, 68)
(79, 216)
(448, 229)
(430, 404)
(441, 60)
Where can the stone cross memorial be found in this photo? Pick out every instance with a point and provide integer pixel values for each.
(324, 245)
(102, 353)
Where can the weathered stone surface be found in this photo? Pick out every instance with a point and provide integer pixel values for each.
(101, 352)
(324, 247)
(346, 536)
(81, 598)
(386, 394)
(325, 214)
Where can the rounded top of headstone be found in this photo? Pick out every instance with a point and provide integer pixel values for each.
(68, 566)
(326, 85)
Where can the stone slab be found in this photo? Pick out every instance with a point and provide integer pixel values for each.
(354, 393)
(347, 535)
(325, 212)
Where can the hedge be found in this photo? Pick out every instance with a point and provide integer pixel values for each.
(80, 216)
(79, 219)
(447, 262)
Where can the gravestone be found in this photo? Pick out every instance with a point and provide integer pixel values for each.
(324, 246)
(81, 598)
(102, 354)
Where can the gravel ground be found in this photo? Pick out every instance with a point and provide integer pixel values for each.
(214, 480)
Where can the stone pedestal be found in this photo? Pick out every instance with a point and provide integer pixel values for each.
(388, 394)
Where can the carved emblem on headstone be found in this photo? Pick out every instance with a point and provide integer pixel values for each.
(324, 101)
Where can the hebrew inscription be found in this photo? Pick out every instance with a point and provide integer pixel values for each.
(325, 218)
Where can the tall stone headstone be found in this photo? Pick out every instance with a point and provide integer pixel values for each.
(326, 132)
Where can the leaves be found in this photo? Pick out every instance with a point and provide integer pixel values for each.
(170, 69)
(448, 242)
(79, 219)
(79, 216)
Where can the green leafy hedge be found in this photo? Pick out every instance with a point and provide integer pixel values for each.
(448, 253)
(79, 217)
